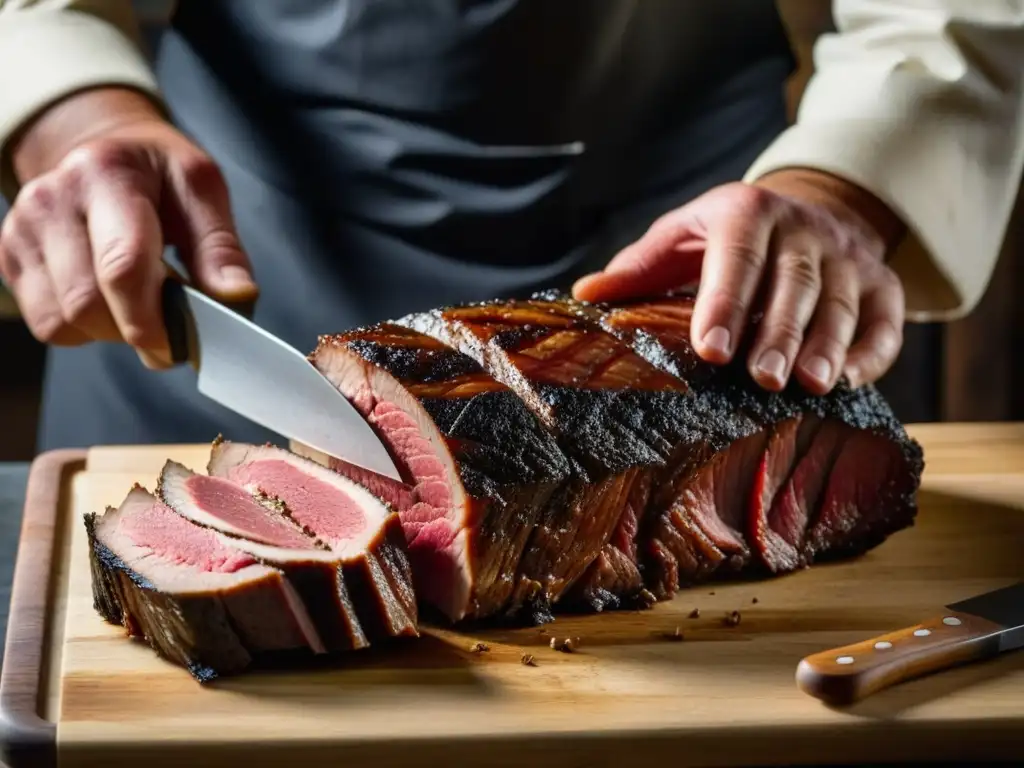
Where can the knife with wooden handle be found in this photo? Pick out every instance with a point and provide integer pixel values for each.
(970, 630)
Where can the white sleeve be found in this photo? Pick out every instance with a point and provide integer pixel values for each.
(921, 102)
(50, 49)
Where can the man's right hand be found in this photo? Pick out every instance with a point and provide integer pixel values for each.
(107, 183)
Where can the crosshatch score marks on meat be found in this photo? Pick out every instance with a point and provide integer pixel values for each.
(555, 456)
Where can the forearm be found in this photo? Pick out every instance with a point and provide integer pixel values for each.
(51, 50)
(921, 103)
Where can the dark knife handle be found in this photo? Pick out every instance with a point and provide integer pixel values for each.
(178, 318)
(845, 675)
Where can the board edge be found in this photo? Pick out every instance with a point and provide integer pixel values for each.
(26, 737)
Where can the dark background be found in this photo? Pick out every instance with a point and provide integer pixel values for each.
(961, 371)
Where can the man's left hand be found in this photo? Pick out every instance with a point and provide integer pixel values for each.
(806, 248)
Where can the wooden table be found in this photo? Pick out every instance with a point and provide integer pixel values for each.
(722, 696)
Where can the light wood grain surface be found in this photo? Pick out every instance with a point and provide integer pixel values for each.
(721, 696)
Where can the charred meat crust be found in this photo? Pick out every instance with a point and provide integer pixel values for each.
(676, 432)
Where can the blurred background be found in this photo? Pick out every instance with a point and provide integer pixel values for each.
(963, 371)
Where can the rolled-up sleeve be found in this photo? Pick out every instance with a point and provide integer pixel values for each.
(50, 49)
(921, 102)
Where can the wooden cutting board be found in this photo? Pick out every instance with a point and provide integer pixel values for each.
(75, 689)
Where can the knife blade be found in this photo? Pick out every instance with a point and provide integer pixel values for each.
(255, 374)
(970, 630)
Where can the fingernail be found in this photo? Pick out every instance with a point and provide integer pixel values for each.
(772, 364)
(819, 368)
(718, 339)
(236, 278)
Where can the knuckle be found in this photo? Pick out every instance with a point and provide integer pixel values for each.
(891, 280)
(200, 172)
(79, 302)
(756, 199)
(800, 267)
(745, 256)
(119, 264)
(45, 323)
(843, 304)
(97, 159)
(784, 331)
(38, 197)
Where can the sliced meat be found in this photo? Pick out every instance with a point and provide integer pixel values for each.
(779, 550)
(618, 417)
(482, 472)
(217, 503)
(316, 574)
(363, 534)
(866, 500)
(614, 580)
(784, 485)
(197, 600)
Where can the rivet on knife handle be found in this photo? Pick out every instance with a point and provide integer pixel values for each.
(845, 675)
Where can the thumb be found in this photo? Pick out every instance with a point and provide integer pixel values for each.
(665, 258)
(203, 229)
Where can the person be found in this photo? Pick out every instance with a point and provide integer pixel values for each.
(358, 160)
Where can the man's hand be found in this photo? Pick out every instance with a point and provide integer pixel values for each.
(109, 182)
(807, 248)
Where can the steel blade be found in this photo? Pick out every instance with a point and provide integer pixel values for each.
(255, 374)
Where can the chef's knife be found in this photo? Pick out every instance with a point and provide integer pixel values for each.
(253, 373)
(970, 630)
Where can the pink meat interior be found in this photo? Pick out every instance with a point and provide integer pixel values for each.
(171, 537)
(321, 507)
(235, 506)
(426, 509)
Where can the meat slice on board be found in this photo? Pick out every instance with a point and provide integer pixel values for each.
(364, 535)
(263, 530)
(480, 470)
(196, 599)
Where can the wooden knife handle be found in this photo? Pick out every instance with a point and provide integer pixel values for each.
(845, 675)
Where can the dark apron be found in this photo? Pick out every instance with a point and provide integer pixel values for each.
(387, 156)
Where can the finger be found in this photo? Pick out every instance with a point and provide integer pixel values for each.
(65, 241)
(734, 260)
(832, 328)
(878, 345)
(127, 245)
(792, 297)
(205, 232)
(654, 265)
(29, 281)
